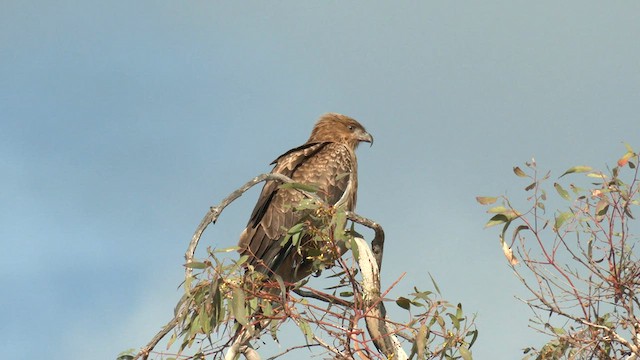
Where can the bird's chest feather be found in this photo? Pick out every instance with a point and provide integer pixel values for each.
(334, 171)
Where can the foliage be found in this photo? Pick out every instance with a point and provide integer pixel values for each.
(579, 263)
(224, 299)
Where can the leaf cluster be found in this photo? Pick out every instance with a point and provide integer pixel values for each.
(574, 250)
(442, 330)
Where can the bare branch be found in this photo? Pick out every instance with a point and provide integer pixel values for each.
(377, 245)
(215, 211)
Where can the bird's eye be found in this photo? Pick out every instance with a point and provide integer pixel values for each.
(351, 127)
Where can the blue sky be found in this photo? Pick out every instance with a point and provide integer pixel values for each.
(122, 122)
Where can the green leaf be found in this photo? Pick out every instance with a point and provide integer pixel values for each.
(576, 190)
(496, 220)
(204, 321)
(238, 306)
(628, 147)
(354, 248)
(296, 228)
(455, 321)
(577, 169)
(196, 265)
(273, 329)
(519, 172)
(306, 330)
(226, 250)
(602, 207)
(434, 284)
(465, 353)
(298, 186)
(295, 238)
(517, 231)
(561, 191)
(486, 200)
(403, 302)
(561, 219)
(474, 336)
(340, 221)
(497, 210)
(172, 339)
(597, 175)
(242, 259)
(267, 309)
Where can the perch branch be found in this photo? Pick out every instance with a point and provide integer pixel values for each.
(377, 244)
(382, 333)
(215, 211)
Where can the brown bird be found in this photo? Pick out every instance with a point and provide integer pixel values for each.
(327, 161)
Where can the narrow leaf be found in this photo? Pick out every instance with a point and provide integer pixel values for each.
(455, 321)
(577, 169)
(519, 172)
(306, 330)
(465, 353)
(238, 306)
(403, 302)
(496, 219)
(629, 148)
(602, 207)
(561, 191)
(195, 265)
(226, 250)
(298, 186)
(354, 248)
(486, 200)
(295, 228)
(561, 219)
(517, 231)
(434, 284)
(497, 210)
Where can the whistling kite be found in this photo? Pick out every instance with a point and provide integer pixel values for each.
(328, 161)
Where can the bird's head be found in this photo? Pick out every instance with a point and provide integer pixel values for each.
(338, 128)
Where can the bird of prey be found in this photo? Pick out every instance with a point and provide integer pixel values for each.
(327, 161)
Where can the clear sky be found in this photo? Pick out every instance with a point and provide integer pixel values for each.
(121, 122)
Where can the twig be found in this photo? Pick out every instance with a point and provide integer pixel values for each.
(377, 244)
(215, 211)
(385, 341)
(144, 352)
(322, 297)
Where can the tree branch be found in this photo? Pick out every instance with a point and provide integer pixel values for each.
(215, 211)
(377, 244)
(381, 332)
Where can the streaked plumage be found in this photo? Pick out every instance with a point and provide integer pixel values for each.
(328, 161)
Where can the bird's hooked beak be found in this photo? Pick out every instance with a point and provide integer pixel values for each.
(365, 137)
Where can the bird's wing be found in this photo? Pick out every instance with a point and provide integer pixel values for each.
(329, 166)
